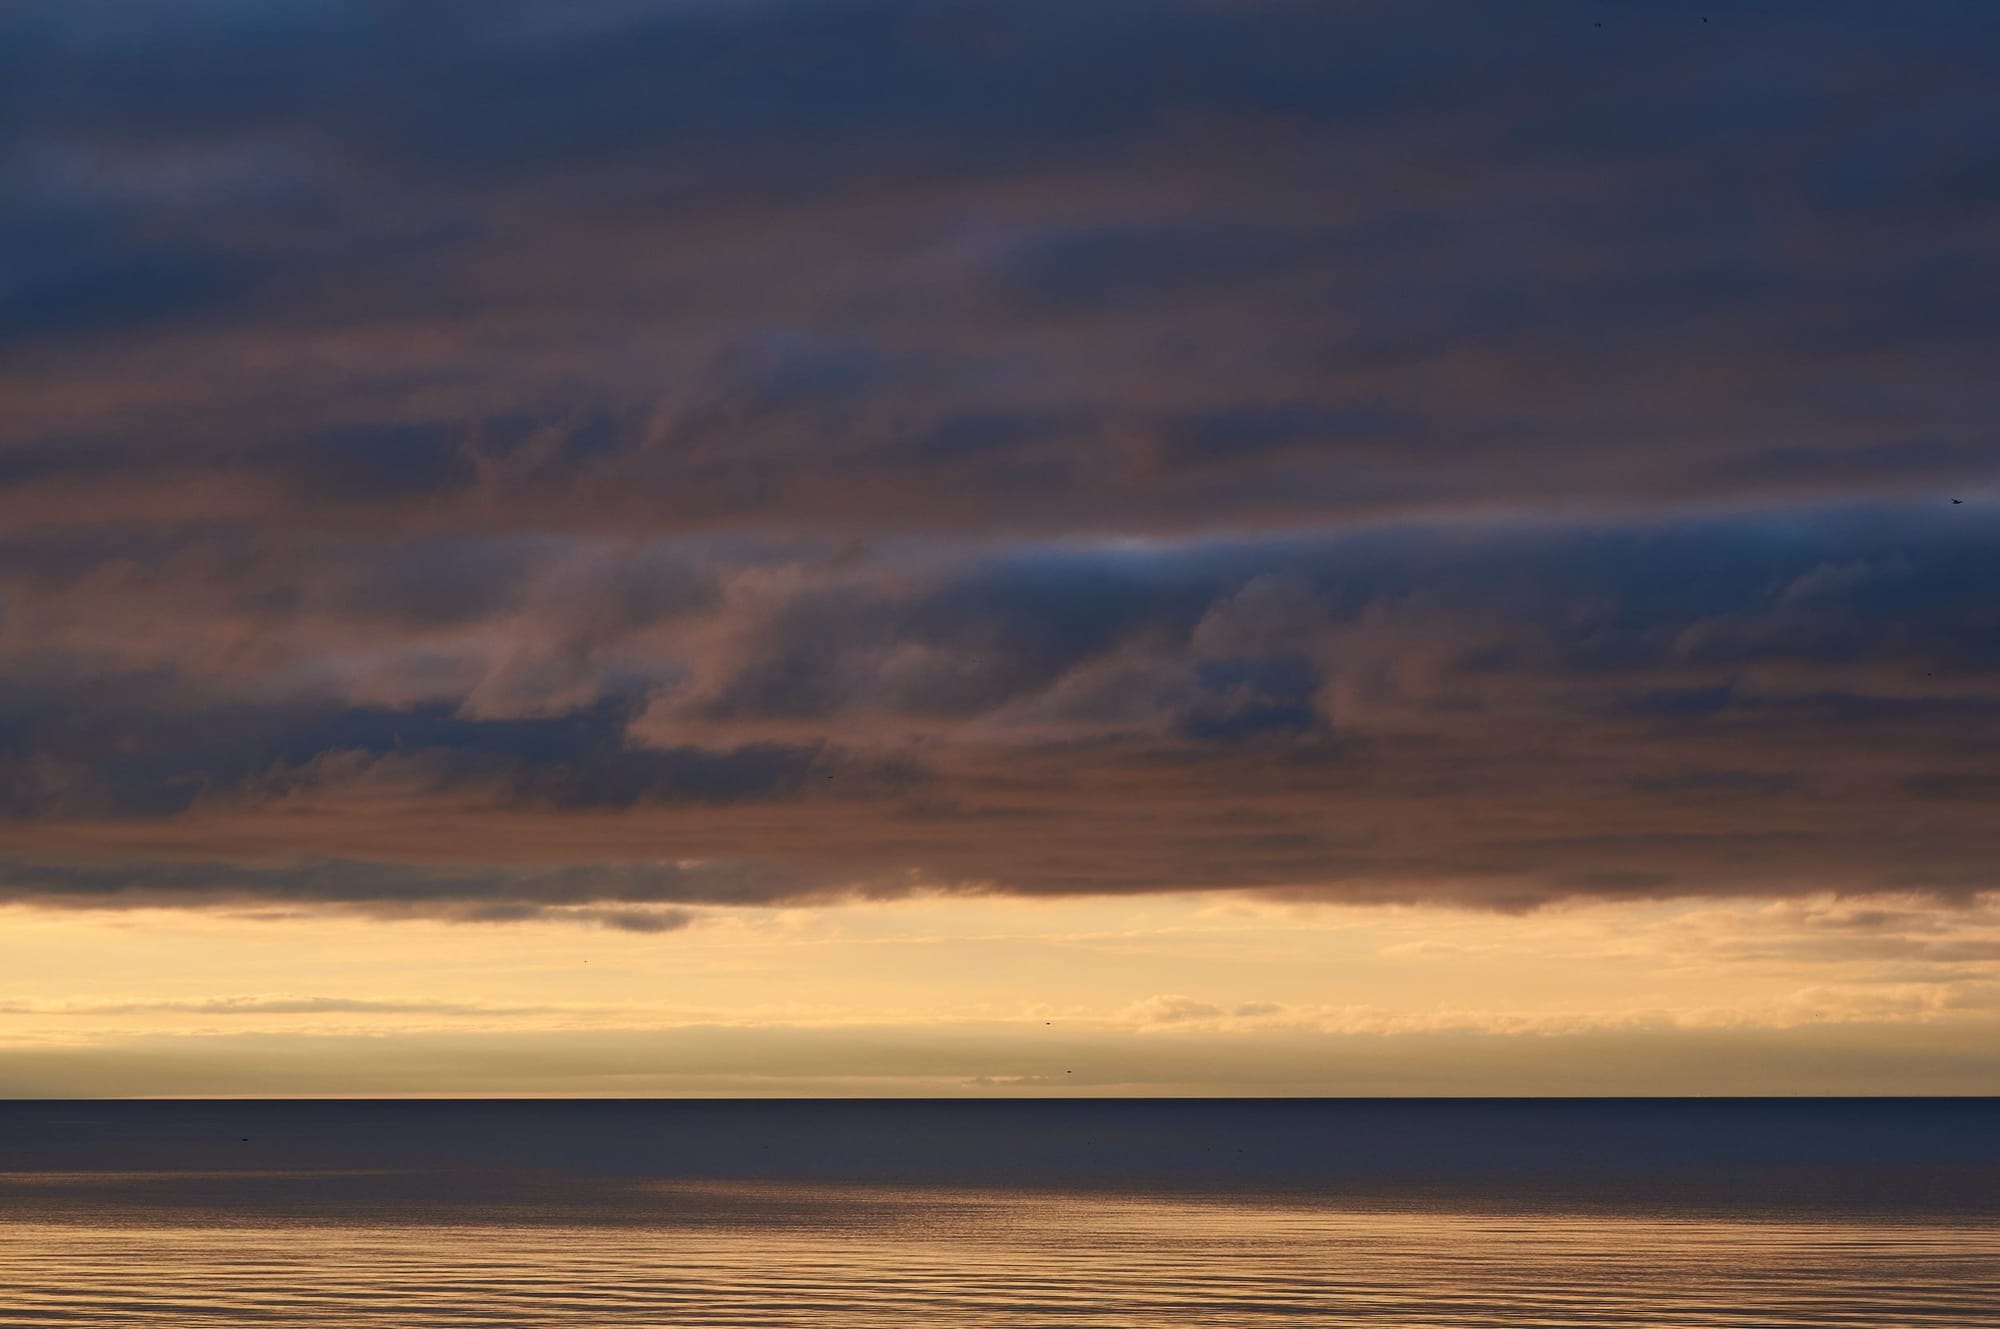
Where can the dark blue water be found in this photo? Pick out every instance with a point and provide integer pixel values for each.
(1429, 1212)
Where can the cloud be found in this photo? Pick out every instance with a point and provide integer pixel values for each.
(1502, 715)
(1156, 268)
(1310, 449)
(1170, 1010)
(627, 897)
(265, 1005)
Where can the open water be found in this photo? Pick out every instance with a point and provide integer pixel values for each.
(1517, 1213)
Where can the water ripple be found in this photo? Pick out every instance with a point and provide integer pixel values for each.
(772, 1256)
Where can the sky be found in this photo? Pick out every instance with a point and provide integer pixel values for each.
(934, 547)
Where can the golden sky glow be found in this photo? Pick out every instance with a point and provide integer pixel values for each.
(1113, 547)
(992, 995)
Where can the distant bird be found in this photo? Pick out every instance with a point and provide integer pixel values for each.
(1958, 500)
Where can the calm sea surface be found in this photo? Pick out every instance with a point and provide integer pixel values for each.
(1108, 1214)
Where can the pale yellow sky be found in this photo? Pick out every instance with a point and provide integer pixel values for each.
(1163, 994)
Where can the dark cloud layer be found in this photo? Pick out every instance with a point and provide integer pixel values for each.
(865, 265)
(467, 457)
(1499, 714)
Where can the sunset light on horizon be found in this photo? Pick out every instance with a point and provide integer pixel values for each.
(878, 548)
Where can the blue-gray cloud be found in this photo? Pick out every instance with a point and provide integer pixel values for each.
(1324, 448)
(1502, 714)
(1133, 267)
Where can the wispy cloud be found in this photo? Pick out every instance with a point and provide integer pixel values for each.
(264, 1005)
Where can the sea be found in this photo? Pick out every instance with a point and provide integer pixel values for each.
(1373, 1212)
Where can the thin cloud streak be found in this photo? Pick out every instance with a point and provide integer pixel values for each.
(735, 1063)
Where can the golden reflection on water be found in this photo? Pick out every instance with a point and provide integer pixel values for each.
(768, 1255)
